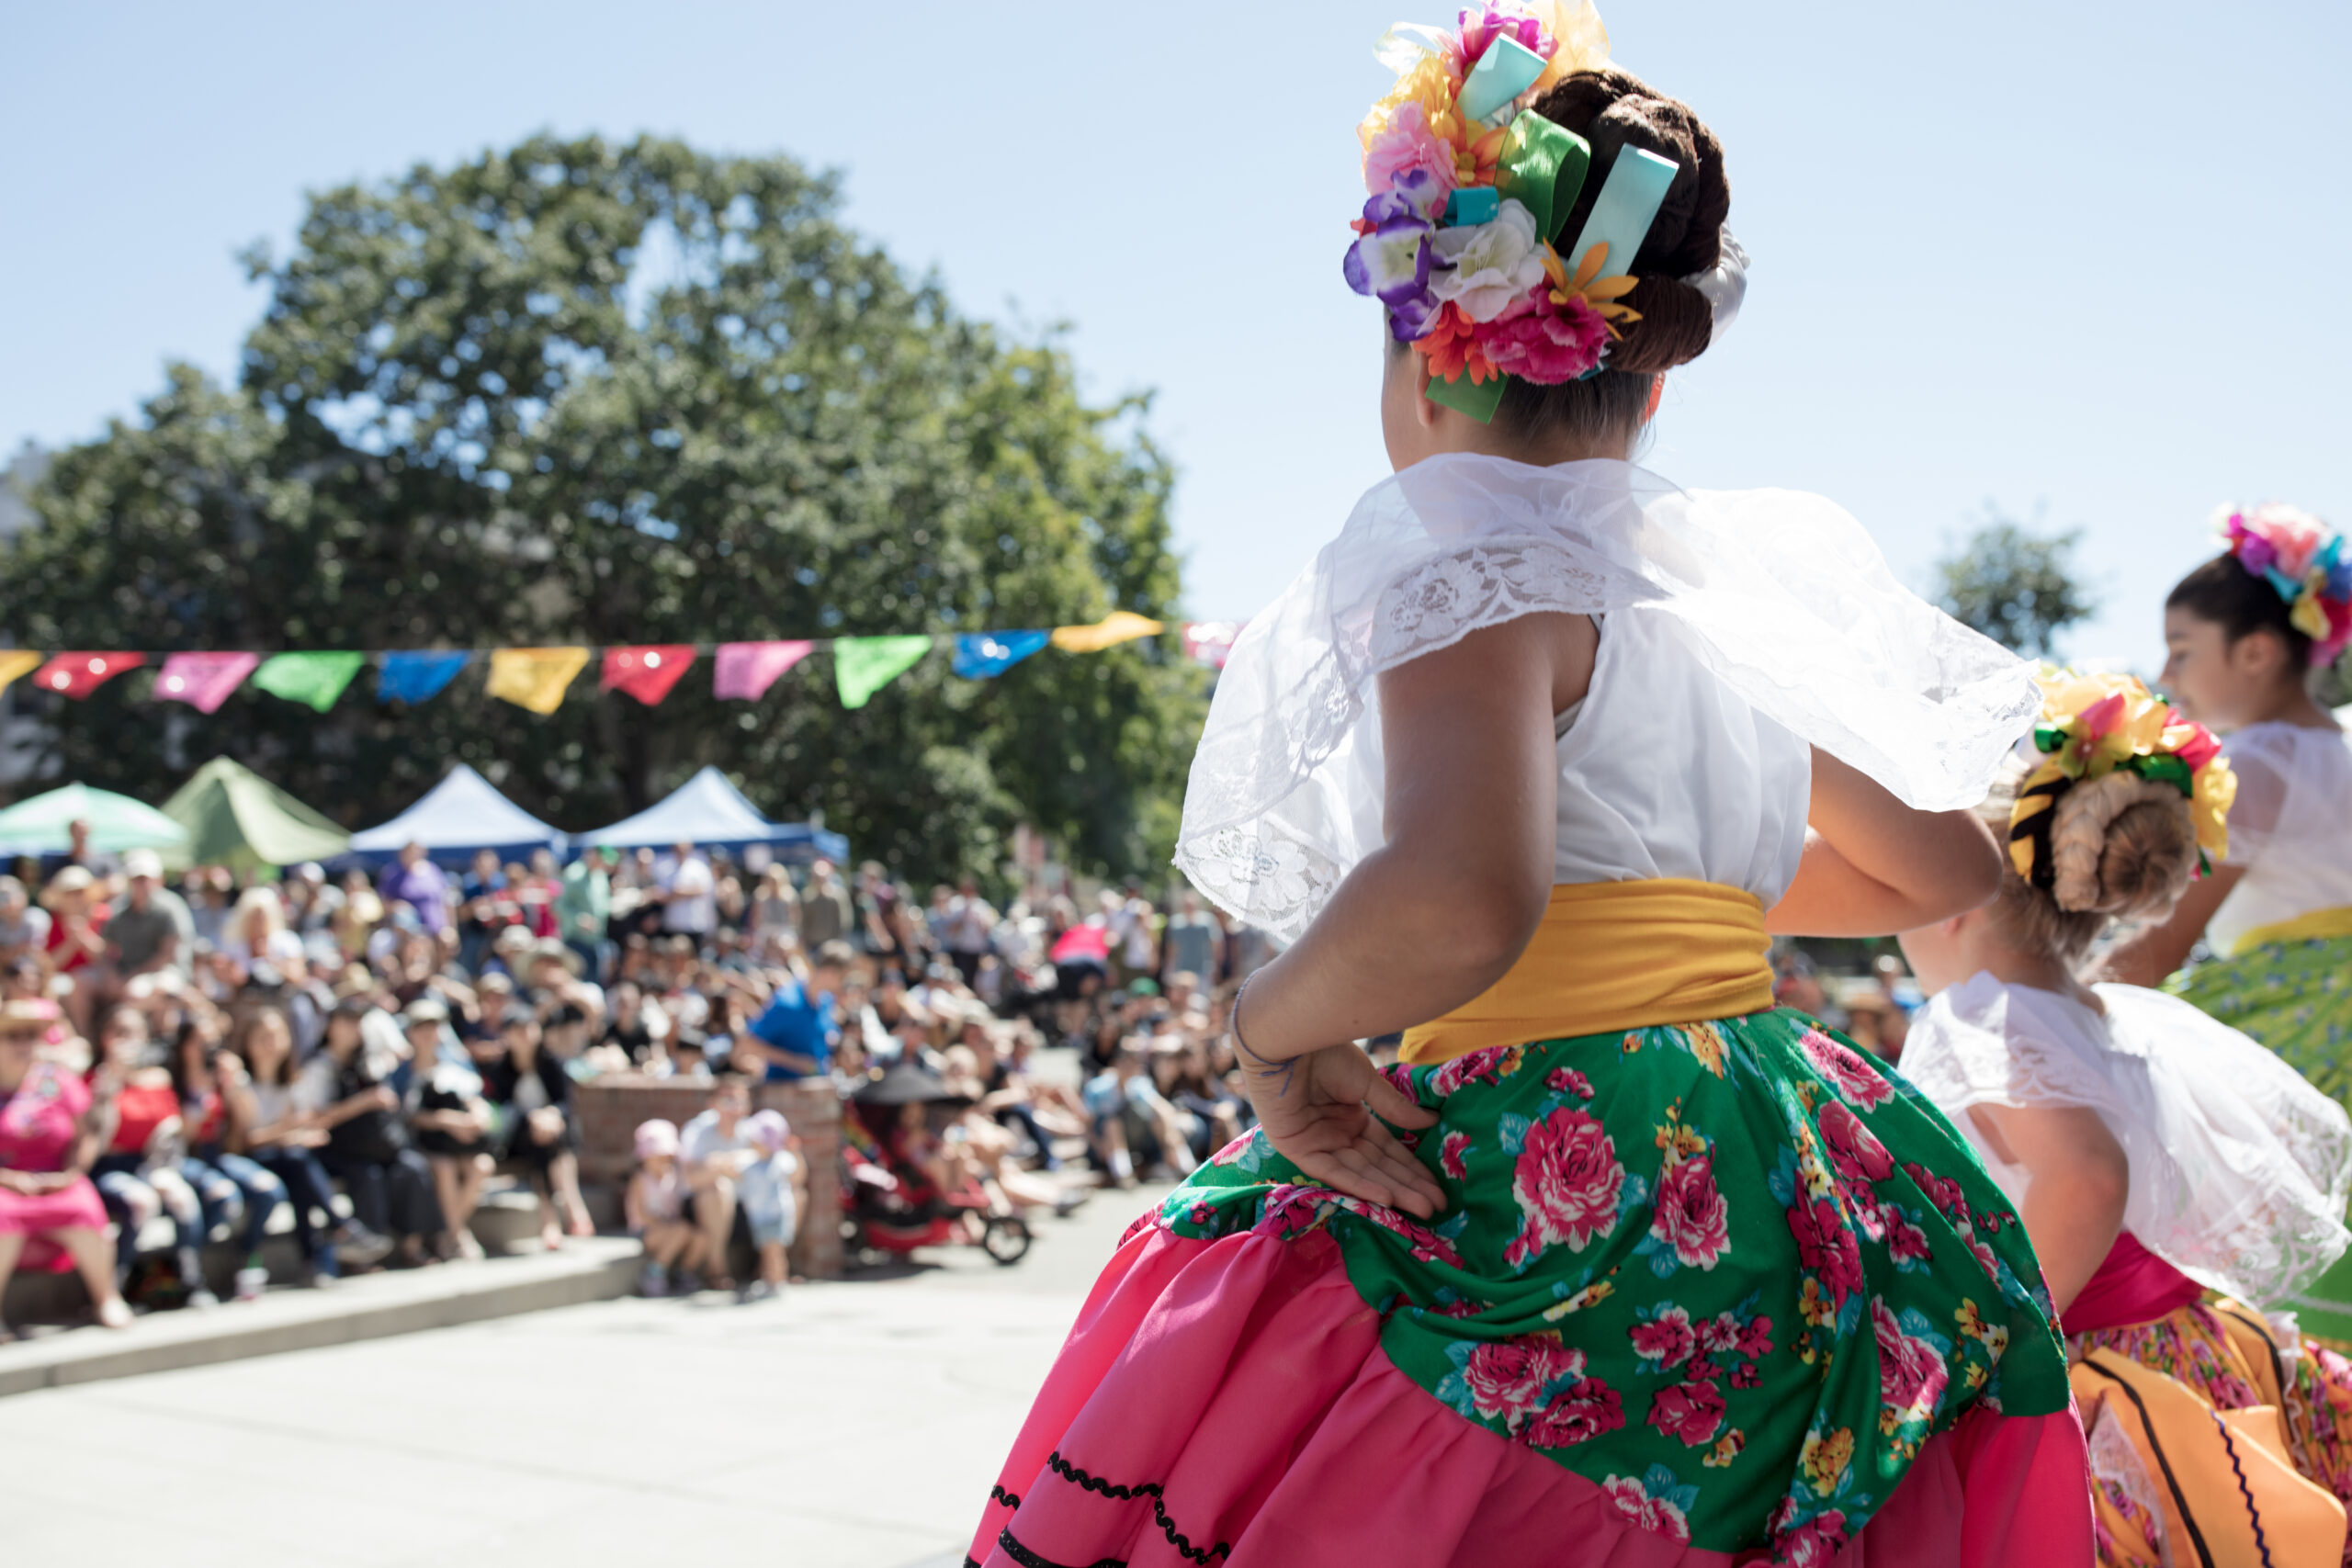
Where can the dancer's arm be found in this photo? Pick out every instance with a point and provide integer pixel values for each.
(1429, 920)
(2074, 1206)
(1873, 865)
(1438, 913)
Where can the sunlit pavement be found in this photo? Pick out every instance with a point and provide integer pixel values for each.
(848, 1426)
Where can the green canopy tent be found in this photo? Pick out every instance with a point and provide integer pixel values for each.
(41, 824)
(233, 817)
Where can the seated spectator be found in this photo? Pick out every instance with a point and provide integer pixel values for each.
(1189, 1084)
(793, 1038)
(140, 1173)
(349, 1090)
(24, 926)
(655, 1207)
(258, 914)
(272, 1123)
(775, 916)
(451, 1118)
(637, 1028)
(50, 1214)
(769, 1187)
(532, 1093)
(715, 1153)
(551, 978)
(76, 940)
(228, 1185)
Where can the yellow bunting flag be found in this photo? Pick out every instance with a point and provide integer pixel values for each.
(16, 661)
(534, 678)
(1118, 626)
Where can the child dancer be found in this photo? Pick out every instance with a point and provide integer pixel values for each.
(2152, 1151)
(2245, 631)
(1623, 1265)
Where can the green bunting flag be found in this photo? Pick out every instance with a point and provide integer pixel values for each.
(863, 665)
(314, 679)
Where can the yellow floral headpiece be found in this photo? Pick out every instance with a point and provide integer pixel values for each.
(2096, 726)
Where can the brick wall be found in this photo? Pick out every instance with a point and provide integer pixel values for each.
(611, 1107)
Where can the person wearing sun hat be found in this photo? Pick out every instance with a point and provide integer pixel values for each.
(51, 1216)
(1621, 1263)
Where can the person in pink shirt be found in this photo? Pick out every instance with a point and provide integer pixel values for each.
(50, 1132)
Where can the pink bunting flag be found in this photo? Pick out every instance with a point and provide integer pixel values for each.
(1210, 643)
(748, 668)
(203, 681)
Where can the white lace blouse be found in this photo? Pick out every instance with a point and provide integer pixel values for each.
(1666, 771)
(2290, 828)
(2239, 1168)
(1743, 627)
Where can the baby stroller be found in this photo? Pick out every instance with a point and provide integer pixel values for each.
(890, 1205)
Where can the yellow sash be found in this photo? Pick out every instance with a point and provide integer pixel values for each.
(1617, 956)
(2317, 925)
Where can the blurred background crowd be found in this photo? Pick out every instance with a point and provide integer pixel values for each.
(197, 1067)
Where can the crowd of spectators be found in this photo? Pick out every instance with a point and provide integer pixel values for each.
(353, 1059)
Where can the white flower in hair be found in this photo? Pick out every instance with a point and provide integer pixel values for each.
(1495, 265)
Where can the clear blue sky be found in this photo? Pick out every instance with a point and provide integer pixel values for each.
(2082, 254)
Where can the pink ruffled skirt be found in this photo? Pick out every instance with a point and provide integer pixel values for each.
(1226, 1403)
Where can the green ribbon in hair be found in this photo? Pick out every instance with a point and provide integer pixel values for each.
(1543, 168)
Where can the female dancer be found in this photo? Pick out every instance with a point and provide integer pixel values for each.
(1624, 1266)
(2152, 1151)
(2245, 631)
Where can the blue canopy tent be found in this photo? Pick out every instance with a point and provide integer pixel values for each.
(708, 810)
(461, 814)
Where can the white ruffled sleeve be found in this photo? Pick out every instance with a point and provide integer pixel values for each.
(1786, 599)
(2239, 1168)
(2263, 758)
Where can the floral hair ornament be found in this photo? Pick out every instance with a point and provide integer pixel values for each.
(1471, 191)
(2304, 560)
(2109, 734)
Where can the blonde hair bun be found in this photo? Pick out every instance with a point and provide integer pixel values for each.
(2122, 846)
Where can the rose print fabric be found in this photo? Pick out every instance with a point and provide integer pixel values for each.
(1735, 1273)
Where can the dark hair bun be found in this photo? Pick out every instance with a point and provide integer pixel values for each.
(1613, 109)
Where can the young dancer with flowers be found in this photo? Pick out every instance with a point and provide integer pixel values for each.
(2245, 632)
(1623, 1265)
(2152, 1151)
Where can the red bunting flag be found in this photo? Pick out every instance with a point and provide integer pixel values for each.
(79, 674)
(646, 673)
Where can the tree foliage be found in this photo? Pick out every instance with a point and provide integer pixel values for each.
(2015, 584)
(584, 393)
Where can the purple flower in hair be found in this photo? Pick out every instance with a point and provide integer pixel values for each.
(1391, 259)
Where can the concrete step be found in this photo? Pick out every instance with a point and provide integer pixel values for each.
(371, 1306)
(507, 1224)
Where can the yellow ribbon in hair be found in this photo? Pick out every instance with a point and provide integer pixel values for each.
(1617, 956)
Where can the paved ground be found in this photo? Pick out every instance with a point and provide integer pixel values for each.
(850, 1425)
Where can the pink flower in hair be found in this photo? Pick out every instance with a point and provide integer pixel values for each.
(1407, 144)
(1543, 341)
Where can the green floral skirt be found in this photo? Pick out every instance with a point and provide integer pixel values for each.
(1738, 1266)
(2294, 997)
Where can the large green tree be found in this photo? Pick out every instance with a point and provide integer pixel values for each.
(585, 393)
